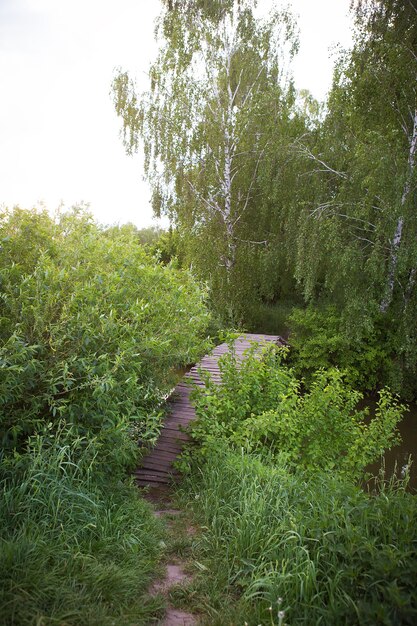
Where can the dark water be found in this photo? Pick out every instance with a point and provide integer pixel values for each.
(397, 459)
(181, 371)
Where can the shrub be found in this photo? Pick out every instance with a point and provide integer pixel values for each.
(320, 339)
(90, 329)
(259, 406)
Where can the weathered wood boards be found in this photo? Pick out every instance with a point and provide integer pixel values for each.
(157, 466)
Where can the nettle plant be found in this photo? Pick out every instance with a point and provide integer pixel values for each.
(261, 407)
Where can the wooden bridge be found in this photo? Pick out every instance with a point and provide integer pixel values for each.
(157, 466)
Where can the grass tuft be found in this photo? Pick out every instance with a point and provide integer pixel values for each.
(73, 552)
(313, 546)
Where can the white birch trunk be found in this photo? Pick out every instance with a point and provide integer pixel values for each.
(229, 147)
(396, 241)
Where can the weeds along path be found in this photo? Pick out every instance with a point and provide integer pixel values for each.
(176, 568)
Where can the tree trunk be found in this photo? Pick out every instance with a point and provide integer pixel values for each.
(396, 241)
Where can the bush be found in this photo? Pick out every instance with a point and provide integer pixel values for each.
(320, 339)
(90, 329)
(270, 318)
(260, 407)
(334, 554)
(73, 551)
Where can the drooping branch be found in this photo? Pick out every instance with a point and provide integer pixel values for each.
(306, 152)
(325, 206)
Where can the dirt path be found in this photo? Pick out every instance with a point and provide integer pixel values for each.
(176, 566)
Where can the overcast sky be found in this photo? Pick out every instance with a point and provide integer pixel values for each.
(59, 134)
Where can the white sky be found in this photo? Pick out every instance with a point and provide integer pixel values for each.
(59, 134)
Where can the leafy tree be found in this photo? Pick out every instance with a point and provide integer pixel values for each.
(217, 87)
(357, 240)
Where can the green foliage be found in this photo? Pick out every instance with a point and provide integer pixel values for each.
(356, 245)
(91, 327)
(146, 236)
(271, 319)
(277, 197)
(320, 339)
(218, 88)
(259, 407)
(168, 248)
(332, 553)
(74, 550)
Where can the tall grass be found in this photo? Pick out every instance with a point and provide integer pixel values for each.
(334, 554)
(72, 551)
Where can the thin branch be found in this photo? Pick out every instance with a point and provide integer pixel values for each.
(237, 86)
(323, 207)
(209, 205)
(410, 2)
(252, 87)
(260, 243)
(327, 168)
(372, 243)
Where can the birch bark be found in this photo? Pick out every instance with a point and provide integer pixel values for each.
(398, 235)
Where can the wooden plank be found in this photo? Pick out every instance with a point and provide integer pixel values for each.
(156, 473)
(168, 441)
(181, 410)
(181, 406)
(162, 454)
(163, 468)
(169, 446)
(180, 419)
(169, 428)
(173, 435)
(151, 477)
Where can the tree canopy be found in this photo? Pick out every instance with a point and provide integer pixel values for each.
(272, 194)
(218, 87)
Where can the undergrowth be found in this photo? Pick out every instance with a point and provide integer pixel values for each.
(91, 329)
(274, 482)
(312, 545)
(261, 406)
(75, 550)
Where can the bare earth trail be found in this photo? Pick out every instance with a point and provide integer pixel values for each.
(157, 472)
(175, 564)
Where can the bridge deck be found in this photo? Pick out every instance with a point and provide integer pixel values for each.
(157, 466)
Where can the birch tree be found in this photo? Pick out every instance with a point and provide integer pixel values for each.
(386, 46)
(219, 74)
(358, 232)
